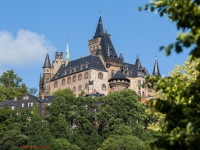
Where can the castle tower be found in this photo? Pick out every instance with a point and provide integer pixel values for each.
(45, 86)
(156, 71)
(118, 82)
(94, 44)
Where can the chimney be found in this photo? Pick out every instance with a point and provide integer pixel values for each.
(61, 55)
(42, 96)
(15, 98)
(56, 55)
(111, 89)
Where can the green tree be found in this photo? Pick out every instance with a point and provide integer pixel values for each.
(11, 85)
(123, 107)
(38, 132)
(32, 91)
(180, 92)
(123, 142)
(13, 139)
(63, 144)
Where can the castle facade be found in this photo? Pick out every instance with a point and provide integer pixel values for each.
(102, 71)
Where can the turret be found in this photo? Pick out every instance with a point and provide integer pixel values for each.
(45, 81)
(118, 82)
(156, 71)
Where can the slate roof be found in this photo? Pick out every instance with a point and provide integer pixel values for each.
(47, 99)
(9, 102)
(99, 29)
(106, 43)
(136, 70)
(79, 65)
(118, 76)
(94, 94)
(156, 71)
(108, 48)
(47, 63)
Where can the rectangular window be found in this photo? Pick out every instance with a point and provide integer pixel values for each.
(47, 94)
(13, 107)
(22, 104)
(31, 103)
(139, 93)
(27, 97)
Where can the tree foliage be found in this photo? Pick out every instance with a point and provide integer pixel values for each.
(11, 85)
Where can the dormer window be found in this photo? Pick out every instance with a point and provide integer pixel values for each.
(70, 70)
(81, 67)
(74, 69)
(86, 65)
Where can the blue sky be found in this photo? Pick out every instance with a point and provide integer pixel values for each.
(27, 28)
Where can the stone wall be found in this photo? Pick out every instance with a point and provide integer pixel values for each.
(80, 84)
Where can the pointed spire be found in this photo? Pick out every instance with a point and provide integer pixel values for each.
(121, 56)
(99, 29)
(108, 50)
(156, 71)
(47, 63)
(137, 63)
(67, 57)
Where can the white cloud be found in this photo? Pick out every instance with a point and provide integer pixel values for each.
(26, 49)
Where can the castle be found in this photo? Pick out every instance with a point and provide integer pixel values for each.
(102, 71)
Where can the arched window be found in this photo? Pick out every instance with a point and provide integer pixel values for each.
(79, 88)
(63, 81)
(86, 86)
(74, 78)
(103, 87)
(74, 89)
(79, 77)
(100, 75)
(86, 75)
(55, 84)
(69, 80)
